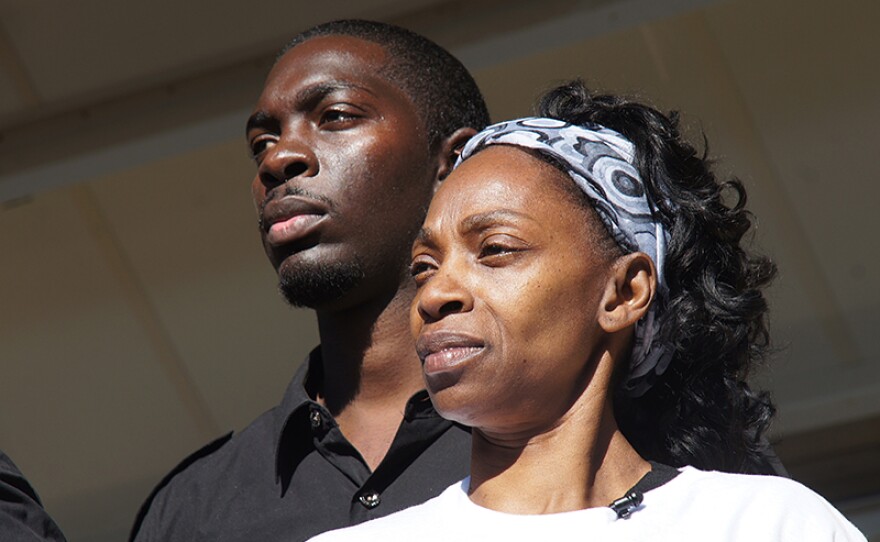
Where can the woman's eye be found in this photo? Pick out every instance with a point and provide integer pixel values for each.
(494, 250)
(498, 249)
(421, 270)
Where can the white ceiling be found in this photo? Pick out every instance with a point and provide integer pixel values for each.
(139, 318)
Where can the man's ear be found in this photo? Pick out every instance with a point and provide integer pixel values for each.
(631, 286)
(447, 153)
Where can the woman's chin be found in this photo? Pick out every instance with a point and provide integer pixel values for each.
(454, 404)
(439, 381)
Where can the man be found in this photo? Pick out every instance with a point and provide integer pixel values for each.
(356, 126)
(22, 517)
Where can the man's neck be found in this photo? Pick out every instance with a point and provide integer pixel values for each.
(370, 371)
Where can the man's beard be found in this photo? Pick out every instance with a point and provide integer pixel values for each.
(319, 284)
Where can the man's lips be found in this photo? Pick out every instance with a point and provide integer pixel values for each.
(290, 218)
(295, 227)
(442, 351)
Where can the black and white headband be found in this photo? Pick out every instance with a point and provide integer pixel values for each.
(602, 163)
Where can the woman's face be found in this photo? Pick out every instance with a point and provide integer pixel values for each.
(509, 287)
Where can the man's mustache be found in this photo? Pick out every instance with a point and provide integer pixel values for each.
(284, 190)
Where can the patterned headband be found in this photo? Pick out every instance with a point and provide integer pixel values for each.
(602, 163)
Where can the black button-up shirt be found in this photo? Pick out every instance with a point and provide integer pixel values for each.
(22, 517)
(292, 474)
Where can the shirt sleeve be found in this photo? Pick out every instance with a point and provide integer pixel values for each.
(779, 509)
(152, 523)
(813, 519)
(22, 516)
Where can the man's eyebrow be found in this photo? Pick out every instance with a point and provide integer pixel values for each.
(305, 98)
(260, 119)
(319, 91)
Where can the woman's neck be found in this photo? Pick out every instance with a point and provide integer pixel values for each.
(583, 461)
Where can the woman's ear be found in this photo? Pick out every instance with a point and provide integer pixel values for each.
(631, 285)
(447, 153)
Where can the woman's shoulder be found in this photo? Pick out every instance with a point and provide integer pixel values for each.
(747, 503)
(725, 485)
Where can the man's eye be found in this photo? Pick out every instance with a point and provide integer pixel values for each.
(259, 145)
(336, 116)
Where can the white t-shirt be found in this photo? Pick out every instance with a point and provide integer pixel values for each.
(695, 506)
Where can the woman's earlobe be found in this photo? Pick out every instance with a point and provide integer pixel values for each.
(628, 293)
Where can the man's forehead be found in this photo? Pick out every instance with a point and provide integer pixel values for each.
(335, 62)
(329, 62)
(335, 49)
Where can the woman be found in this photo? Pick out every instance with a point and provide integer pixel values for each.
(585, 305)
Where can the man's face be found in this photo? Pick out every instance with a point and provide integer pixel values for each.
(343, 172)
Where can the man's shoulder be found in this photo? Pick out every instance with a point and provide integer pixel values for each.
(217, 471)
(174, 476)
(212, 471)
(257, 440)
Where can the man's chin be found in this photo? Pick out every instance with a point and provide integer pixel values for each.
(314, 285)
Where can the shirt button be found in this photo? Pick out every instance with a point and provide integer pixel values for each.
(315, 418)
(370, 499)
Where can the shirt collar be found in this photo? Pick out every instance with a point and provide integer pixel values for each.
(292, 432)
(292, 425)
(301, 388)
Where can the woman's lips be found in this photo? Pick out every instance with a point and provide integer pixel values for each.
(443, 351)
(291, 229)
(449, 358)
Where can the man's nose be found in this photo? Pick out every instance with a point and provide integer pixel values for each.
(442, 295)
(288, 159)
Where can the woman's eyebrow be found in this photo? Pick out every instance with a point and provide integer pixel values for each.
(474, 223)
(481, 221)
(425, 237)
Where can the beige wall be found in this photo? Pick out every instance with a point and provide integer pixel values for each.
(139, 317)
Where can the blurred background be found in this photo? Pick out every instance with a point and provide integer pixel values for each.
(139, 317)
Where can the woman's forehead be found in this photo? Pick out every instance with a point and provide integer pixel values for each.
(507, 179)
(501, 168)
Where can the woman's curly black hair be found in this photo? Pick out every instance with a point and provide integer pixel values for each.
(701, 411)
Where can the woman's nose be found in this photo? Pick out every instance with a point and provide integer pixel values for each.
(442, 295)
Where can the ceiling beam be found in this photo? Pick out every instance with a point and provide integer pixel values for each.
(11, 64)
(89, 141)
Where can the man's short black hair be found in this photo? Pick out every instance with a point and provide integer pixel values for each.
(444, 92)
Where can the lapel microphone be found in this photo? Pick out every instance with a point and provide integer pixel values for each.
(626, 505)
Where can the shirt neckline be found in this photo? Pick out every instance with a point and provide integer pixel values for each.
(659, 475)
(293, 413)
